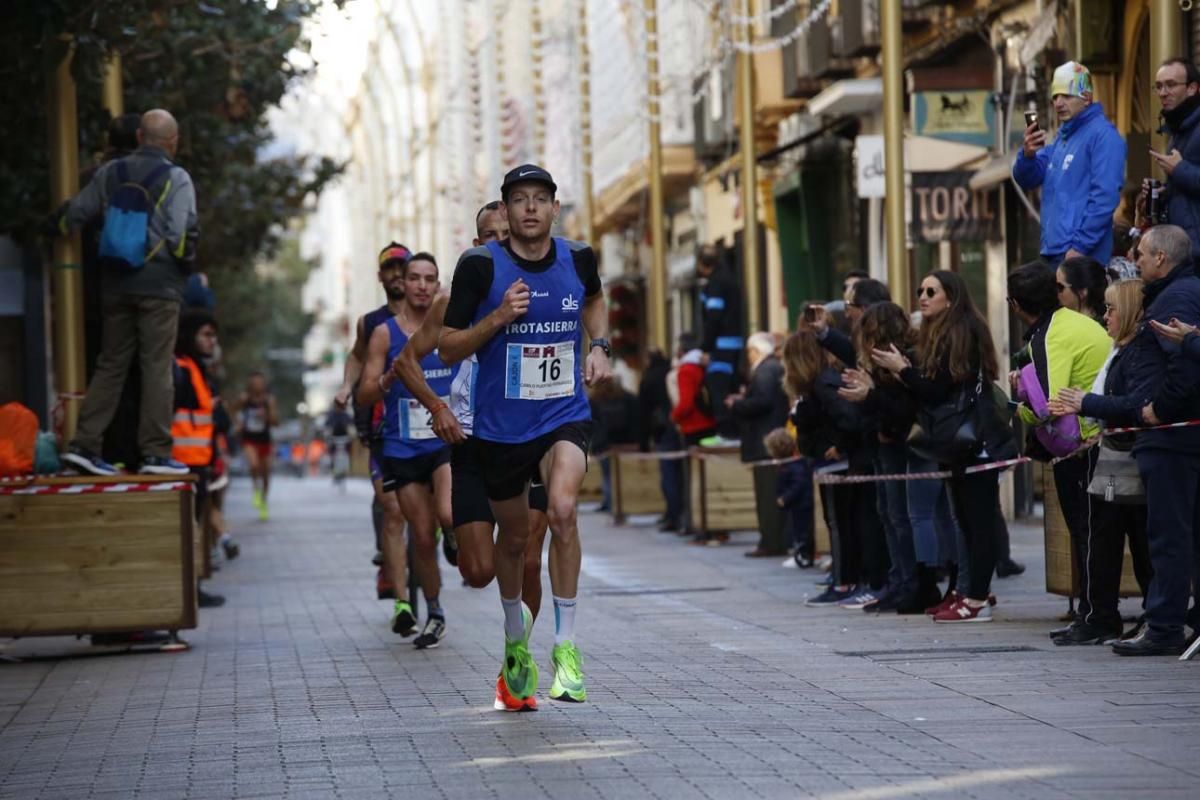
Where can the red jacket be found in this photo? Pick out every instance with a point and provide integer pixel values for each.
(686, 415)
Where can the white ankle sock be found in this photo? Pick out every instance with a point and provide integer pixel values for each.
(564, 619)
(514, 622)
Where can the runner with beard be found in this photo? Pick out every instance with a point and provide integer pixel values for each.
(392, 260)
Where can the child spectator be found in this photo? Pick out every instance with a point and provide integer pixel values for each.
(794, 496)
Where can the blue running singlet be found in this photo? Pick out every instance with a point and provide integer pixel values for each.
(531, 372)
(407, 426)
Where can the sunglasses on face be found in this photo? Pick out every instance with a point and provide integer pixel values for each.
(928, 291)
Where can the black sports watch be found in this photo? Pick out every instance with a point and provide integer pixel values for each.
(603, 345)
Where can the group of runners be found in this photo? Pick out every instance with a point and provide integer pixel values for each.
(480, 424)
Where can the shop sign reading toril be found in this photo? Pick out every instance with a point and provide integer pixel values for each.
(945, 209)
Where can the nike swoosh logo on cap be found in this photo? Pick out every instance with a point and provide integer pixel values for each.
(530, 172)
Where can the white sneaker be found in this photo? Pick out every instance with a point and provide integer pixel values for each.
(790, 563)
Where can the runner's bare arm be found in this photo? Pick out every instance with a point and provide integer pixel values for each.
(272, 411)
(455, 345)
(597, 367)
(407, 367)
(375, 381)
(235, 413)
(354, 365)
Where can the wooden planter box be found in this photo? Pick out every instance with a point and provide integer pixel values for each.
(721, 491)
(637, 486)
(98, 563)
(1060, 570)
(592, 489)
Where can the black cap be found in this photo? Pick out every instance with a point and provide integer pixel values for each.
(527, 173)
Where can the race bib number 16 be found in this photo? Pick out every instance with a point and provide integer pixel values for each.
(540, 371)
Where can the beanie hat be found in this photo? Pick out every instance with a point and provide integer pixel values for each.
(1072, 79)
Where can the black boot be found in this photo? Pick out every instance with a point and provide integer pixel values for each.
(926, 595)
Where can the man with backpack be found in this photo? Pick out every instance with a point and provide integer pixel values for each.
(147, 246)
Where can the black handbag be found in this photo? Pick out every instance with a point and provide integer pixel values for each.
(959, 430)
(949, 432)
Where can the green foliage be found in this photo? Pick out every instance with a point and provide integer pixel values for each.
(218, 66)
(259, 313)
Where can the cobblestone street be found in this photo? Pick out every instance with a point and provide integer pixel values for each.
(707, 677)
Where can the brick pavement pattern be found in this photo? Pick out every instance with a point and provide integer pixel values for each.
(707, 678)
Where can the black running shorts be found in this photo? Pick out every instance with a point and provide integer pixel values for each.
(399, 472)
(468, 495)
(539, 500)
(468, 492)
(507, 468)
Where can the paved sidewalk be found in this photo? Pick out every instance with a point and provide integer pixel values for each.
(707, 678)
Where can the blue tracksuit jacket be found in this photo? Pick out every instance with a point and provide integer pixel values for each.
(1081, 174)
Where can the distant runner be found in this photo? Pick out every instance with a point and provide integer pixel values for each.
(256, 415)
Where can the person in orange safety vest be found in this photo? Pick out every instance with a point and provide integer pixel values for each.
(192, 426)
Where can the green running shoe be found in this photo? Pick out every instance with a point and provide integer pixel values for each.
(520, 672)
(404, 622)
(568, 674)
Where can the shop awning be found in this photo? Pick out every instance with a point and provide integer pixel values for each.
(993, 173)
(621, 202)
(850, 96)
(927, 154)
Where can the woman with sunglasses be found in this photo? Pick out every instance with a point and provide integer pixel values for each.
(1115, 400)
(955, 354)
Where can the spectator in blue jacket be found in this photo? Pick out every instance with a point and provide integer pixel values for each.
(1184, 335)
(1177, 85)
(1081, 172)
(1168, 460)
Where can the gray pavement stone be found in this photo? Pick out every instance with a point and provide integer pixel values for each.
(297, 688)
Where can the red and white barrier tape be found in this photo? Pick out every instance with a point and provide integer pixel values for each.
(1090, 443)
(765, 462)
(636, 455)
(1189, 424)
(97, 488)
(676, 455)
(920, 476)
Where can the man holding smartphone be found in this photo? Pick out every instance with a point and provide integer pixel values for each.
(1080, 173)
(1177, 84)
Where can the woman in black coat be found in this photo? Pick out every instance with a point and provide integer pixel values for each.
(954, 355)
(832, 429)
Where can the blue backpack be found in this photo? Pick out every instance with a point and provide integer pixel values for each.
(127, 219)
